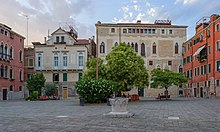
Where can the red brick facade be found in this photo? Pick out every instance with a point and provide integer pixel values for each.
(201, 58)
(11, 64)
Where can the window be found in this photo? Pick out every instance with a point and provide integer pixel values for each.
(145, 30)
(170, 31)
(28, 76)
(65, 60)
(132, 45)
(150, 63)
(116, 43)
(124, 30)
(56, 77)
(217, 46)
(102, 47)
(209, 83)
(11, 74)
(217, 27)
(218, 65)
(162, 31)
(153, 31)
(80, 59)
(209, 50)
(57, 39)
(2, 71)
(201, 38)
(169, 63)
(205, 70)
(142, 49)
(55, 61)
(205, 83)
(6, 71)
(198, 71)
(154, 48)
(202, 70)
(142, 30)
(149, 31)
(20, 88)
(20, 75)
(136, 47)
(176, 48)
(20, 55)
(180, 68)
(217, 83)
(137, 30)
(209, 68)
(195, 72)
(129, 30)
(112, 30)
(80, 76)
(128, 43)
(62, 38)
(1, 50)
(30, 62)
(6, 51)
(39, 60)
(11, 88)
(64, 77)
(133, 31)
(208, 33)
(11, 53)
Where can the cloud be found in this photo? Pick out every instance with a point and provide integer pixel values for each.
(44, 15)
(186, 2)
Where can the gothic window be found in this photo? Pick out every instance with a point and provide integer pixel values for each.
(136, 47)
(102, 47)
(176, 48)
(132, 45)
(116, 43)
(142, 49)
(154, 48)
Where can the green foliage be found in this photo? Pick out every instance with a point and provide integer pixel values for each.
(35, 83)
(125, 67)
(94, 91)
(91, 68)
(165, 78)
(50, 90)
(33, 96)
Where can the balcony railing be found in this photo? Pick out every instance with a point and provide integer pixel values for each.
(51, 68)
(5, 56)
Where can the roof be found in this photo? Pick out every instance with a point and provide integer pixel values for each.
(82, 42)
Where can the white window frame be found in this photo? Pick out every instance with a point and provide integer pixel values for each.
(65, 62)
(80, 54)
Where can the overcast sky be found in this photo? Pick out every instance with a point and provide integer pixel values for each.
(49, 15)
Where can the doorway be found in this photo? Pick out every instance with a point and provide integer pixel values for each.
(201, 92)
(65, 92)
(5, 94)
(194, 92)
(141, 92)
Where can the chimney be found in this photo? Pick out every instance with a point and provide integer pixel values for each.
(139, 21)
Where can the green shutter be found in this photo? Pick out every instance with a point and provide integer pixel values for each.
(64, 76)
(80, 76)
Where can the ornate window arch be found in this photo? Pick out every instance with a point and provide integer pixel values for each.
(136, 47)
(132, 45)
(176, 48)
(154, 51)
(6, 51)
(180, 68)
(116, 43)
(102, 47)
(143, 49)
(2, 70)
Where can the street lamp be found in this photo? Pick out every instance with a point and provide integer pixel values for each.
(27, 17)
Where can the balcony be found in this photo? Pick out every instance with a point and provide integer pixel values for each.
(62, 42)
(60, 68)
(6, 57)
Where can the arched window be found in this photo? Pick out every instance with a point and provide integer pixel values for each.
(2, 71)
(142, 49)
(116, 43)
(6, 51)
(102, 47)
(158, 66)
(136, 47)
(6, 71)
(11, 52)
(180, 68)
(128, 43)
(1, 50)
(154, 48)
(11, 88)
(176, 48)
(132, 45)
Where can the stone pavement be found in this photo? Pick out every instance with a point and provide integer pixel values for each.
(195, 115)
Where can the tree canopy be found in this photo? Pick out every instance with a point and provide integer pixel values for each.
(126, 67)
(166, 78)
(35, 83)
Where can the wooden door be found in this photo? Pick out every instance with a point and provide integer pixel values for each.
(65, 92)
(4, 94)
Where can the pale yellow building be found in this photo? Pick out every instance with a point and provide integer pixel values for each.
(160, 45)
(62, 60)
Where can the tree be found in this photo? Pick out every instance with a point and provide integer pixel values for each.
(36, 83)
(166, 78)
(126, 67)
(50, 90)
(91, 68)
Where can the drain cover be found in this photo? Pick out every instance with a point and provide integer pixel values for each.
(173, 118)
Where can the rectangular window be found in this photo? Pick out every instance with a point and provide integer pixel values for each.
(80, 76)
(149, 31)
(209, 68)
(169, 63)
(150, 63)
(62, 38)
(56, 77)
(217, 83)
(170, 31)
(20, 88)
(217, 27)
(142, 30)
(57, 39)
(65, 61)
(30, 62)
(201, 70)
(39, 61)
(11, 73)
(153, 31)
(209, 83)
(217, 46)
(195, 72)
(129, 30)
(162, 31)
(55, 60)
(20, 76)
(112, 30)
(64, 77)
(218, 65)
(198, 71)
(20, 56)
(133, 31)
(124, 30)
(145, 30)
(137, 30)
(205, 83)
(205, 69)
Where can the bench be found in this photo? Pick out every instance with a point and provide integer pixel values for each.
(163, 97)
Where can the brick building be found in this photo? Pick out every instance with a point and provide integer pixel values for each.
(201, 58)
(159, 43)
(11, 64)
